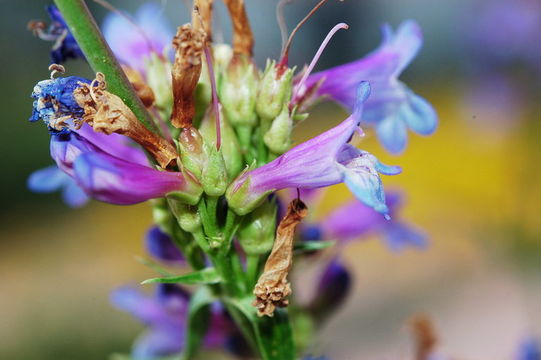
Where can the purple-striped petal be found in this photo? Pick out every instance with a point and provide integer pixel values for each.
(109, 179)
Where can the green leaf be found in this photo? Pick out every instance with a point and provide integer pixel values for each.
(273, 334)
(307, 246)
(205, 276)
(153, 266)
(198, 318)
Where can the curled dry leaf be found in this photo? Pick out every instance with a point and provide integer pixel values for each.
(107, 113)
(273, 288)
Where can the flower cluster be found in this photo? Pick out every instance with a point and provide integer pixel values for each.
(213, 159)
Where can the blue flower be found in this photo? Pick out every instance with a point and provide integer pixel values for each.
(52, 179)
(160, 245)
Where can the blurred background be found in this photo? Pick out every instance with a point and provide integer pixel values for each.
(473, 187)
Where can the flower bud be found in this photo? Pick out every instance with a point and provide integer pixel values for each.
(187, 216)
(275, 90)
(238, 92)
(278, 138)
(214, 175)
(333, 288)
(230, 146)
(191, 149)
(256, 233)
(158, 78)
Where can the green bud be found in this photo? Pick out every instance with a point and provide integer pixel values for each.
(238, 92)
(230, 146)
(223, 54)
(158, 76)
(256, 233)
(161, 215)
(202, 94)
(275, 91)
(278, 138)
(192, 151)
(214, 175)
(187, 216)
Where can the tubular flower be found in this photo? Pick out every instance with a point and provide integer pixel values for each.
(165, 314)
(354, 220)
(325, 160)
(393, 107)
(107, 167)
(65, 47)
(160, 245)
(135, 42)
(332, 289)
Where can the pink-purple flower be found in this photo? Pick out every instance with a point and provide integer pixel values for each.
(325, 160)
(392, 108)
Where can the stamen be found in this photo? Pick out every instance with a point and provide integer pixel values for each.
(280, 18)
(56, 69)
(299, 87)
(215, 103)
(285, 50)
(128, 18)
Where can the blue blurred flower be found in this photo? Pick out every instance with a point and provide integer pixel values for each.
(52, 179)
(160, 245)
(530, 349)
(165, 315)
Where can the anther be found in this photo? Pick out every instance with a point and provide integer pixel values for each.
(56, 69)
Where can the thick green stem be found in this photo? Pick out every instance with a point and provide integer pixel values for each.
(100, 57)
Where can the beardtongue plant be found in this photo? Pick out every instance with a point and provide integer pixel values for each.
(204, 135)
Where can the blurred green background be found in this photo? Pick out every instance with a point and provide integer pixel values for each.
(473, 187)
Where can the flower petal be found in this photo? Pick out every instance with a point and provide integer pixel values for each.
(161, 246)
(399, 236)
(366, 185)
(157, 343)
(47, 180)
(393, 134)
(73, 194)
(419, 115)
(109, 179)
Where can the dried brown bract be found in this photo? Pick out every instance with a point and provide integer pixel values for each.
(272, 288)
(243, 39)
(144, 92)
(424, 336)
(186, 71)
(108, 114)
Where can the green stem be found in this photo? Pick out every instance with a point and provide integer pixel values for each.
(100, 57)
(252, 269)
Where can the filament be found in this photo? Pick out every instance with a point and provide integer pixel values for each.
(280, 18)
(314, 61)
(285, 51)
(215, 104)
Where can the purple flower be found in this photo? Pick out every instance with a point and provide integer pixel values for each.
(165, 315)
(160, 245)
(530, 349)
(133, 43)
(325, 160)
(52, 179)
(354, 220)
(393, 107)
(332, 289)
(65, 46)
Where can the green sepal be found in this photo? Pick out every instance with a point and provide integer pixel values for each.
(278, 138)
(256, 232)
(214, 177)
(158, 74)
(198, 321)
(205, 276)
(187, 216)
(309, 246)
(241, 199)
(192, 192)
(275, 91)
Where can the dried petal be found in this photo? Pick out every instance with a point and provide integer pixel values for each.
(108, 114)
(186, 71)
(243, 39)
(144, 92)
(272, 288)
(202, 17)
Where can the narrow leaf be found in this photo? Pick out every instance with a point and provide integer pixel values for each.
(205, 276)
(307, 246)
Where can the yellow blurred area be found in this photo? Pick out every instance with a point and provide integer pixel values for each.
(464, 187)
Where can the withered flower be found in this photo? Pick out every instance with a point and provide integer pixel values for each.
(272, 288)
(202, 17)
(107, 113)
(189, 44)
(424, 336)
(243, 39)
